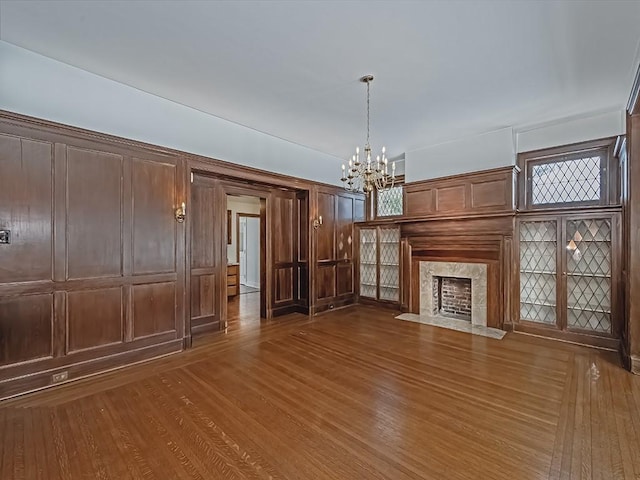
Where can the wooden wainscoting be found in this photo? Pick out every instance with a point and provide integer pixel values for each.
(98, 269)
(471, 193)
(333, 281)
(92, 277)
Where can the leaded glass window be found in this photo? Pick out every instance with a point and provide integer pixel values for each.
(389, 202)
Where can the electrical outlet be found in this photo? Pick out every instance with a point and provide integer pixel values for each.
(59, 377)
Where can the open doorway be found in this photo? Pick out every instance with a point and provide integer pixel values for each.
(244, 250)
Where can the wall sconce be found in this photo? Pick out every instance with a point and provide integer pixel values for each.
(317, 222)
(180, 213)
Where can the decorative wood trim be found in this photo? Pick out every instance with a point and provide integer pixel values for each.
(475, 193)
(570, 337)
(20, 385)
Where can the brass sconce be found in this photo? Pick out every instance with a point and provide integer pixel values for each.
(317, 222)
(180, 213)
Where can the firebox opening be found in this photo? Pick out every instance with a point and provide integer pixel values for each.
(452, 297)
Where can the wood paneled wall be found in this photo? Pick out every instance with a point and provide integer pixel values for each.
(92, 277)
(472, 193)
(99, 274)
(631, 343)
(333, 243)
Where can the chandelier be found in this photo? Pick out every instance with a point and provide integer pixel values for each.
(367, 175)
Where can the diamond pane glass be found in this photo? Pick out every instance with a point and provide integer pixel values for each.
(566, 181)
(589, 275)
(390, 264)
(368, 254)
(538, 271)
(389, 202)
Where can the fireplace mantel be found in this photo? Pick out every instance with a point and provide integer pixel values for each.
(487, 242)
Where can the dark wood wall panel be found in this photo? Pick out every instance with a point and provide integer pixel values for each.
(303, 284)
(345, 279)
(94, 220)
(25, 328)
(285, 209)
(344, 227)
(203, 296)
(284, 284)
(26, 209)
(203, 239)
(481, 192)
(284, 219)
(326, 281)
(154, 225)
(325, 234)
(154, 309)
(333, 281)
(451, 199)
(84, 211)
(303, 226)
(205, 257)
(94, 318)
(419, 202)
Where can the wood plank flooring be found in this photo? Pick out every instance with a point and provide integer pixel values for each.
(353, 394)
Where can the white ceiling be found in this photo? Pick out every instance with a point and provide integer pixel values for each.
(444, 70)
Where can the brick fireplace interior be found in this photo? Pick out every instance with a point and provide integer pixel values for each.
(452, 297)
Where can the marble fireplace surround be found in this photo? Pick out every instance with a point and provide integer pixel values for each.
(476, 272)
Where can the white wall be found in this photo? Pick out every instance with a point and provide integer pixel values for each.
(253, 253)
(36, 85)
(480, 152)
(239, 205)
(568, 131)
(500, 148)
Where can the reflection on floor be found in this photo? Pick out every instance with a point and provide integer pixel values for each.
(243, 310)
(352, 394)
(247, 289)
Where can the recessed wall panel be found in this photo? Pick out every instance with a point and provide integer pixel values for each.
(25, 209)
(94, 227)
(154, 223)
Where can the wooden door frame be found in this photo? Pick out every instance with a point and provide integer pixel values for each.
(239, 187)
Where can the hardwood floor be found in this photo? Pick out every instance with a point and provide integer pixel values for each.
(352, 394)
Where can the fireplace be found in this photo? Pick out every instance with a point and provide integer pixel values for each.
(454, 289)
(452, 297)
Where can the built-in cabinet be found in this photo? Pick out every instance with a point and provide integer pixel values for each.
(569, 268)
(379, 258)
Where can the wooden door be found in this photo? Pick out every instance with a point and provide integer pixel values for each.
(284, 252)
(334, 246)
(207, 267)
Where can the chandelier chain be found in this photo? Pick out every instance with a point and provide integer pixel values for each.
(368, 111)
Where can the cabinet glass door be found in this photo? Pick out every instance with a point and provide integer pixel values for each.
(538, 272)
(588, 272)
(368, 262)
(390, 264)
